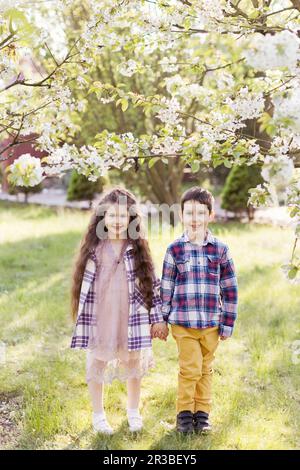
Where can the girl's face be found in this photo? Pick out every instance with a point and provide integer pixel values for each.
(116, 220)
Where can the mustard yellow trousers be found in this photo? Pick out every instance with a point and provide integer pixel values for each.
(196, 352)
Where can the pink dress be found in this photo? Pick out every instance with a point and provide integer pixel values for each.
(108, 356)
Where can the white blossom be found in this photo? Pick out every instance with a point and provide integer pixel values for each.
(26, 171)
(262, 196)
(7, 4)
(167, 145)
(206, 151)
(210, 10)
(128, 68)
(288, 107)
(273, 51)
(169, 64)
(246, 105)
(169, 111)
(278, 170)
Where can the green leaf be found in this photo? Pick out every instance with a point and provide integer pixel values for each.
(187, 23)
(152, 161)
(216, 162)
(19, 21)
(293, 273)
(254, 14)
(10, 26)
(227, 163)
(148, 112)
(124, 104)
(95, 89)
(294, 211)
(195, 165)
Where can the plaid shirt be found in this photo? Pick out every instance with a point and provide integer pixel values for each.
(140, 318)
(199, 286)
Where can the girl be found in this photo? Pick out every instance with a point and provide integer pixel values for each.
(116, 304)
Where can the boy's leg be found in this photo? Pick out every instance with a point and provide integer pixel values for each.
(190, 365)
(208, 341)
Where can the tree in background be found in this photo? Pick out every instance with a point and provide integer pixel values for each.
(16, 190)
(235, 194)
(81, 189)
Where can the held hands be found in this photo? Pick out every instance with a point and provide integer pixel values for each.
(160, 330)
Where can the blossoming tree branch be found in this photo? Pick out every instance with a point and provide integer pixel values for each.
(216, 81)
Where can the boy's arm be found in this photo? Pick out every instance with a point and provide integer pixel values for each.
(229, 294)
(167, 283)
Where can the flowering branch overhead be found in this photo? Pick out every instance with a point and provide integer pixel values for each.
(213, 65)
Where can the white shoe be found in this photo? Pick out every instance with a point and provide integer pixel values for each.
(135, 422)
(101, 425)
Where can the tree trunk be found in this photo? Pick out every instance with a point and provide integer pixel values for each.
(250, 213)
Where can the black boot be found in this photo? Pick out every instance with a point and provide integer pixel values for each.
(201, 422)
(184, 422)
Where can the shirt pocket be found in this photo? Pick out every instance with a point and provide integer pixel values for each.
(212, 266)
(183, 266)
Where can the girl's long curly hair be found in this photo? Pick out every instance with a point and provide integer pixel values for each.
(143, 264)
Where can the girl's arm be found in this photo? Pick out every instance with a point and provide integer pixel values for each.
(159, 328)
(155, 313)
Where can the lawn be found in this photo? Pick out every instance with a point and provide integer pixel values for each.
(44, 402)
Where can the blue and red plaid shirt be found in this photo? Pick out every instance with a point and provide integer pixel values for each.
(199, 285)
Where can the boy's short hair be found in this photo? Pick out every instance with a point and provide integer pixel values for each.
(198, 194)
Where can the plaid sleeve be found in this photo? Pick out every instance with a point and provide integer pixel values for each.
(167, 283)
(229, 294)
(155, 314)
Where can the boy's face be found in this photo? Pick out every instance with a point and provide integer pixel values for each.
(195, 217)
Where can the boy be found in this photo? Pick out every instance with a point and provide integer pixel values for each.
(199, 294)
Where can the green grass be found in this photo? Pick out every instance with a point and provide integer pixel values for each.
(256, 383)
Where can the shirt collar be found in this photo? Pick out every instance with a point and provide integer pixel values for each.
(128, 248)
(208, 239)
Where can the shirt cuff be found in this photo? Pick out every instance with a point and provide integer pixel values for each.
(165, 308)
(225, 330)
(156, 317)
